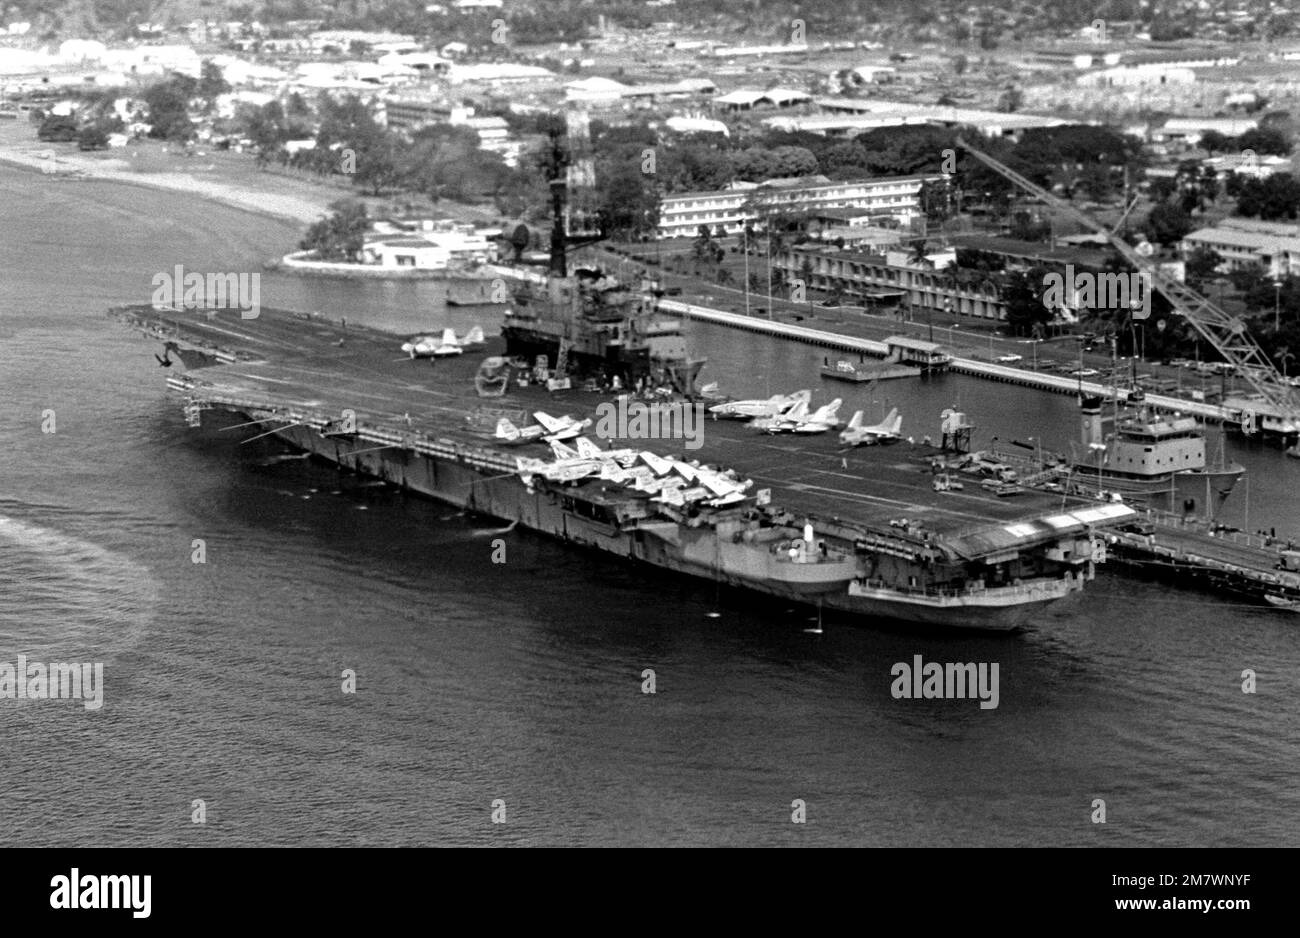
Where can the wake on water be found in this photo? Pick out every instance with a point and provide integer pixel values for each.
(59, 592)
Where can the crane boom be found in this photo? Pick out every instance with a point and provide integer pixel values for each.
(1225, 332)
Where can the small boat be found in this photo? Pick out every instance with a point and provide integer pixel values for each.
(1282, 602)
(846, 371)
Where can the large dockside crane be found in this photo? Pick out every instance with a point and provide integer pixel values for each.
(1225, 332)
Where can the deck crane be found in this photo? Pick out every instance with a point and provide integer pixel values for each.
(1225, 332)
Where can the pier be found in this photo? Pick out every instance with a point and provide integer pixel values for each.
(1233, 562)
(991, 371)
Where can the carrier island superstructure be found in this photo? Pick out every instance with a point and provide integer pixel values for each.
(864, 534)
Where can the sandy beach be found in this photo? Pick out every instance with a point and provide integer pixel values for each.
(231, 179)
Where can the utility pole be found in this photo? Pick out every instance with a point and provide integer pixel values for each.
(747, 239)
(769, 273)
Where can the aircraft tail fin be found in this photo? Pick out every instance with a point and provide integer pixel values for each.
(563, 452)
(798, 411)
(828, 413)
(474, 337)
(856, 421)
(547, 421)
(449, 337)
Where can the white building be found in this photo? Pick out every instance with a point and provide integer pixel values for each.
(730, 52)
(1187, 131)
(1249, 165)
(498, 73)
(745, 99)
(407, 252)
(684, 124)
(1137, 76)
(432, 246)
(1276, 248)
(595, 90)
(894, 199)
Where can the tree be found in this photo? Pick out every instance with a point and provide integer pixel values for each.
(702, 248)
(92, 137)
(1097, 182)
(1265, 141)
(936, 200)
(267, 128)
(1025, 309)
(1213, 142)
(378, 165)
(1162, 188)
(1168, 223)
(58, 128)
(212, 83)
(1202, 264)
(629, 205)
(1209, 184)
(805, 273)
(341, 235)
(519, 240)
(1271, 199)
(446, 162)
(168, 103)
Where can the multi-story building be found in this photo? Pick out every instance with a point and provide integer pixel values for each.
(894, 200)
(412, 112)
(1270, 245)
(891, 279)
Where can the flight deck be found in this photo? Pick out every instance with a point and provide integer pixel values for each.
(307, 363)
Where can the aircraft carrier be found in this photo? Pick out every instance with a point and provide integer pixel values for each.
(863, 531)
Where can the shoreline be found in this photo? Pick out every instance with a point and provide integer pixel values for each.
(293, 208)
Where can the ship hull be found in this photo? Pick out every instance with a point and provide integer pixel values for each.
(485, 489)
(1188, 491)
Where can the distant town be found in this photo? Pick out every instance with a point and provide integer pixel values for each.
(796, 161)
